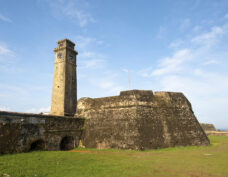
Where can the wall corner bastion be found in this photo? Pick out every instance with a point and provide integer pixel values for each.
(140, 119)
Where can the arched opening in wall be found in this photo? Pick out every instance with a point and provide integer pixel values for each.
(67, 143)
(37, 145)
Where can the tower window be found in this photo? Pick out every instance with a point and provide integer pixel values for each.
(71, 57)
(59, 55)
(71, 46)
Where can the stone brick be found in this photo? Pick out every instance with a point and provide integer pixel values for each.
(64, 90)
(20, 132)
(140, 120)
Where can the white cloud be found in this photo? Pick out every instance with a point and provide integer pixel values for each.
(99, 42)
(197, 28)
(39, 110)
(84, 42)
(88, 59)
(4, 108)
(187, 71)
(108, 83)
(12, 89)
(110, 86)
(207, 92)
(174, 63)
(147, 72)
(5, 19)
(169, 65)
(73, 10)
(6, 60)
(87, 54)
(92, 64)
(4, 50)
(161, 32)
(210, 62)
(125, 70)
(226, 16)
(94, 68)
(210, 37)
(185, 24)
(204, 84)
(175, 44)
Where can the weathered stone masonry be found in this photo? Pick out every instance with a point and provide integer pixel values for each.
(135, 119)
(23, 132)
(140, 120)
(64, 90)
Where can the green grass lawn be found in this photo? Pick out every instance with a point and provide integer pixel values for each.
(179, 161)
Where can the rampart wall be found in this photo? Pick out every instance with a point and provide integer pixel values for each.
(24, 132)
(140, 120)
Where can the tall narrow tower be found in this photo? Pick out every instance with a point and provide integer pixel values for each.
(64, 93)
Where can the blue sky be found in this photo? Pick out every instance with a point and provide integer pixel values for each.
(166, 45)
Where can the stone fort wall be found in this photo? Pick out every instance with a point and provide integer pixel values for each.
(21, 132)
(140, 120)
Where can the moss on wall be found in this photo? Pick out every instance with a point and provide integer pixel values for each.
(19, 131)
(139, 119)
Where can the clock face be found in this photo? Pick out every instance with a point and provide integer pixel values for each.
(59, 56)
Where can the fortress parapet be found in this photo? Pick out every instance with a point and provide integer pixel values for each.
(140, 119)
(22, 132)
(136, 98)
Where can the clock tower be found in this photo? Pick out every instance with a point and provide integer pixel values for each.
(64, 90)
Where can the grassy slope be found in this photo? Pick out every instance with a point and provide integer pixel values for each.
(180, 161)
